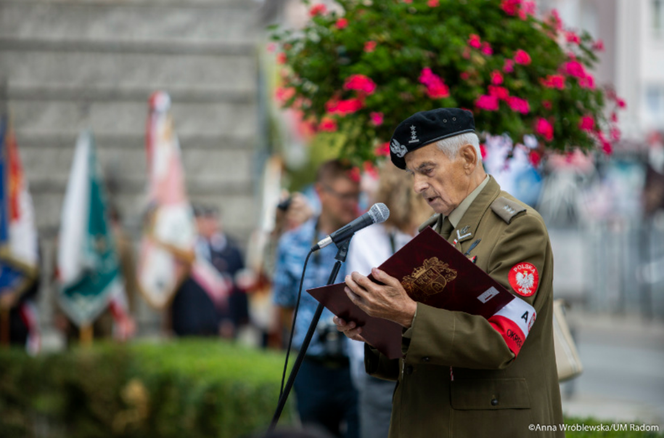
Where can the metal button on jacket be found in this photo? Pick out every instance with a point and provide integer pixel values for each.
(494, 402)
(426, 359)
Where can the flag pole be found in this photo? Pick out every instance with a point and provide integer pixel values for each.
(86, 334)
(4, 327)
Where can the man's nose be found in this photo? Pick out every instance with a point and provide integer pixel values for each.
(419, 184)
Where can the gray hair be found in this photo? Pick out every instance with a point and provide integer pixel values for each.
(450, 146)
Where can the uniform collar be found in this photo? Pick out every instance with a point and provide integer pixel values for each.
(458, 212)
(464, 229)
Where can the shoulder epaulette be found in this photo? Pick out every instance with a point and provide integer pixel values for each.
(429, 222)
(506, 209)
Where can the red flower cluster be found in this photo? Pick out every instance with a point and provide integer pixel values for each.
(518, 7)
(376, 118)
(341, 23)
(554, 81)
(436, 88)
(328, 125)
(496, 77)
(572, 38)
(509, 66)
(499, 92)
(544, 128)
(318, 9)
(522, 57)
(344, 107)
(587, 123)
(519, 105)
(487, 102)
(433, 3)
(475, 42)
(369, 46)
(576, 69)
(360, 83)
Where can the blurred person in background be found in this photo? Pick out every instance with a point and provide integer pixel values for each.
(193, 311)
(20, 319)
(370, 247)
(323, 387)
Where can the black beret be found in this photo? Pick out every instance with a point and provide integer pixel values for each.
(425, 127)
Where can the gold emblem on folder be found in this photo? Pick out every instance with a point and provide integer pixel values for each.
(429, 279)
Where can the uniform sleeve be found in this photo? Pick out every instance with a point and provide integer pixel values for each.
(378, 365)
(284, 285)
(443, 337)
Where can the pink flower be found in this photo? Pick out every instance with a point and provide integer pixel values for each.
(369, 46)
(271, 47)
(499, 92)
(606, 145)
(528, 7)
(614, 117)
(474, 41)
(615, 134)
(509, 66)
(328, 125)
(574, 68)
(318, 9)
(341, 23)
(535, 158)
(554, 81)
(511, 7)
(522, 57)
(360, 83)
(408, 1)
(376, 118)
(587, 123)
(598, 45)
(465, 75)
(281, 58)
(621, 103)
(436, 88)
(433, 3)
(587, 82)
(283, 94)
(544, 128)
(488, 103)
(547, 105)
(555, 21)
(572, 37)
(344, 107)
(483, 150)
(382, 150)
(519, 105)
(486, 49)
(496, 77)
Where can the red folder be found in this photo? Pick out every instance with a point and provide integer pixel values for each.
(433, 272)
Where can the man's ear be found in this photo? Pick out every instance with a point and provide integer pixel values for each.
(468, 155)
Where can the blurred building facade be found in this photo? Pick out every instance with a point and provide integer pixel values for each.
(69, 65)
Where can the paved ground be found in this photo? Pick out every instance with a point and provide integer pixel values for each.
(623, 376)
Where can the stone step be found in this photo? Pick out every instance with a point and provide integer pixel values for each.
(118, 70)
(237, 211)
(229, 20)
(222, 167)
(62, 117)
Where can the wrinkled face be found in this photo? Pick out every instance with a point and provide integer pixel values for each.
(443, 182)
(338, 199)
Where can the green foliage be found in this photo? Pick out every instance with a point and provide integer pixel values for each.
(409, 37)
(188, 388)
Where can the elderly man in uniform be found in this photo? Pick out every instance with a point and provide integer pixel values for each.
(462, 375)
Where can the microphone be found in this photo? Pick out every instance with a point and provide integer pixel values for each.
(376, 215)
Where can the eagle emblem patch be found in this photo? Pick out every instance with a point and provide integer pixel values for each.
(524, 279)
(398, 149)
(429, 279)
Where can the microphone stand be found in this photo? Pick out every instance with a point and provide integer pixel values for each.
(340, 258)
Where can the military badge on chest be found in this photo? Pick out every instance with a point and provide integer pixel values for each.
(524, 279)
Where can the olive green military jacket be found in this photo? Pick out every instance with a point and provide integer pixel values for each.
(458, 377)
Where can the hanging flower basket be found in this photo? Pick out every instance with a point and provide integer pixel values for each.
(363, 70)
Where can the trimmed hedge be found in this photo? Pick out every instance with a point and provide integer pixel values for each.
(186, 388)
